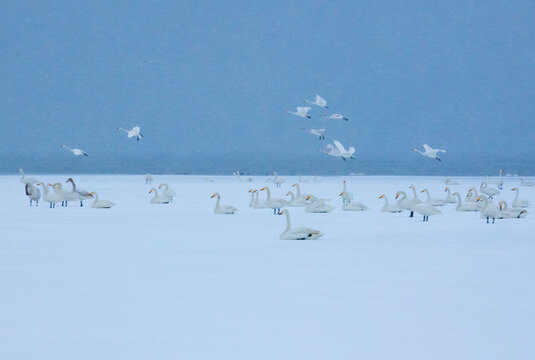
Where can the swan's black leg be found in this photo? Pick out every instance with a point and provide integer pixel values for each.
(412, 214)
(487, 219)
(493, 220)
(30, 202)
(81, 203)
(36, 203)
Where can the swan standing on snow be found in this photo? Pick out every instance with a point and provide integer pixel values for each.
(347, 196)
(335, 117)
(430, 152)
(65, 195)
(278, 181)
(302, 111)
(432, 201)
(100, 204)
(257, 203)
(135, 131)
(50, 198)
(76, 152)
(26, 180)
(318, 101)
(387, 207)
(506, 213)
(318, 132)
(167, 192)
(519, 203)
(300, 233)
(222, 209)
(499, 180)
(157, 198)
(469, 206)
(451, 182)
(487, 190)
(470, 195)
(405, 203)
(148, 179)
(526, 182)
(81, 193)
(426, 209)
(273, 203)
(33, 193)
(488, 210)
(450, 199)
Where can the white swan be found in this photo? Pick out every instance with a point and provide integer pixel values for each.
(430, 152)
(317, 206)
(405, 203)
(222, 209)
(318, 101)
(27, 180)
(338, 150)
(100, 204)
(65, 195)
(76, 152)
(451, 182)
(50, 198)
(506, 213)
(354, 206)
(277, 180)
(433, 201)
(33, 193)
(467, 206)
(336, 117)
(426, 209)
(301, 198)
(387, 207)
(293, 200)
(347, 196)
(148, 179)
(300, 233)
(258, 204)
(526, 182)
(167, 192)
(499, 180)
(488, 210)
(135, 131)
(519, 203)
(487, 190)
(251, 202)
(81, 193)
(450, 199)
(273, 203)
(302, 111)
(413, 188)
(470, 197)
(157, 198)
(320, 133)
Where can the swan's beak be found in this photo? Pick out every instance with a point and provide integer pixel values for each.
(263, 189)
(150, 191)
(513, 189)
(308, 197)
(421, 191)
(49, 184)
(38, 184)
(445, 189)
(341, 194)
(91, 193)
(478, 198)
(282, 212)
(397, 195)
(294, 184)
(212, 196)
(382, 196)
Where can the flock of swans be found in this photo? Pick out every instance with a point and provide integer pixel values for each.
(477, 199)
(336, 149)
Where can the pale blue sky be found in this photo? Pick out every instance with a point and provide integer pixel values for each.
(209, 81)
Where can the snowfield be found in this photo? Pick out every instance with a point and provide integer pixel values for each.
(142, 281)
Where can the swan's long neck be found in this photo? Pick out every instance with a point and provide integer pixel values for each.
(414, 192)
(516, 196)
(45, 188)
(344, 187)
(217, 202)
(22, 173)
(27, 188)
(386, 200)
(448, 190)
(403, 196)
(288, 223)
(73, 185)
(252, 199)
(475, 190)
(485, 202)
(503, 204)
(96, 196)
(291, 195)
(268, 193)
(459, 201)
(298, 190)
(428, 196)
(126, 131)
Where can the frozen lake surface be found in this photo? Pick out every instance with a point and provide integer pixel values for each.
(142, 281)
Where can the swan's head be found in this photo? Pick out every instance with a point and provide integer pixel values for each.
(344, 181)
(446, 189)
(412, 187)
(69, 179)
(92, 194)
(151, 190)
(263, 189)
(308, 198)
(454, 194)
(294, 184)
(397, 195)
(501, 205)
(382, 196)
(38, 184)
(282, 212)
(342, 193)
(422, 191)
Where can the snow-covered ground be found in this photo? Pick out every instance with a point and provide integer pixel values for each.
(142, 281)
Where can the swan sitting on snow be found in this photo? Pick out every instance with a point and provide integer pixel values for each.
(317, 206)
(148, 179)
(299, 233)
(451, 182)
(519, 203)
(354, 206)
(388, 207)
(167, 192)
(100, 204)
(450, 199)
(526, 182)
(157, 198)
(33, 193)
(222, 209)
(294, 202)
(433, 201)
(467, 206)
(347, 196)
(506, 213)
(405, 203)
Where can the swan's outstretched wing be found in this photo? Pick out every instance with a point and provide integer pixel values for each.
(339, 146)
(302, 110)
(320, 101)
(136, 129)
(438, 150)
(351, 150)
(428, 148)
